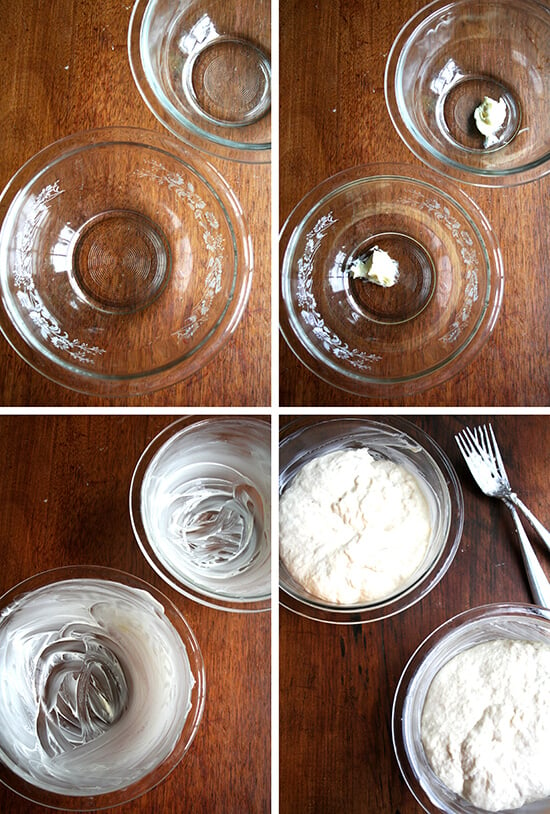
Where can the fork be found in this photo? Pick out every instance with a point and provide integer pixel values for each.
(482, 455)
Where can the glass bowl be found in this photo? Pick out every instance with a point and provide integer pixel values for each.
(203, 68)
(102, 685)
(200, 507)
(404, 443)
(446, 59)
(125, 262)
(375, 341)
(472, 627)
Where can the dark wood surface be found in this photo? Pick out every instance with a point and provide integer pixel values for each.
(333, 116)
(64, 69)
(337, 682)
(64, 501)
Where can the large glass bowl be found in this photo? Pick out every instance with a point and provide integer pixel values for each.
(125, 262)
(102, 685)
(203, 68)
(446, 59)
(376, 341)
(200, 504)
(472, 627)
(404, 443)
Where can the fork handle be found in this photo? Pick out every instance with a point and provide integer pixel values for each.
(543, 532)
(540, 587)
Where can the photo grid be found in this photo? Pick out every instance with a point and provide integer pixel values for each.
(274, 409)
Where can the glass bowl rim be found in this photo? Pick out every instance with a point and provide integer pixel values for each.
(75, 377)
(106, 800)
(417, 144)
(187, 132)
(165, 436)
(358, 383)
(436, 639)
(324, 612)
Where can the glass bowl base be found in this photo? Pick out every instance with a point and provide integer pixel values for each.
(455, 113)
(410, 294)
(228, 82)
(120, 261)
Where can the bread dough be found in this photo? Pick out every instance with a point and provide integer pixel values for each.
(486, 723)
(353, 529)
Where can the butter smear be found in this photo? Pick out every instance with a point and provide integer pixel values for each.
(489, 117)
(378, 268)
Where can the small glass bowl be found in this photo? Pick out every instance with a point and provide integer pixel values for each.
(203, 68)
(397, 440)
(101, 636)
(376, 341)
(200, 506)
(445, 60)
(472, 627)
(125, 262)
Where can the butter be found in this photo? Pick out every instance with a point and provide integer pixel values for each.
(489, 117)
(378, 268)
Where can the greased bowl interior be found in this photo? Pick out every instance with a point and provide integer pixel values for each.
(110, 688)
(404, 443)
(125, 262)
(200, 504)
(446, 59)
(416, 334)
(203, 68)
(472, 627)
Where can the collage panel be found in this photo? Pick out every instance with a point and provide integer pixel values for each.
(413, 147)
(135, 237)
(135, 631)
(414, 630)
(390, 654)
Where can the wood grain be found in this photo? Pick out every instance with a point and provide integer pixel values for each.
(64, 501)
(65, 69)
(333, 116)
(337, 682)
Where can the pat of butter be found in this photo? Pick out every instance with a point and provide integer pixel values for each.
(489, 117)
(378, 268)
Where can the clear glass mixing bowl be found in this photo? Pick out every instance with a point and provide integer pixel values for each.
(404, 443)
(376, 341)
(203, 68)
(200, 505)
(469, 628)
(446, 59)
(102, 685)
(125, 262)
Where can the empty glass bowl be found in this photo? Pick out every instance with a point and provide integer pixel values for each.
(200, 507)
(102, 687)
(203, 68)
(467, 629)
(125, 262)
(388, 341)
(402, 442)
(446, 59)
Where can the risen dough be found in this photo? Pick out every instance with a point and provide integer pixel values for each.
(486, 723)
(353, 529)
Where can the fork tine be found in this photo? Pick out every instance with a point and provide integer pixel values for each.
(481, 433)
(464, 444)
(497, 455)
(471, 435)
(461, 444)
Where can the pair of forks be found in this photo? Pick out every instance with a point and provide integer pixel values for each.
(482, 455)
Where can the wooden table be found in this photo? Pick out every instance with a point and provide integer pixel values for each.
(64, 501)
(337, 682)
(65, 69)
(333, 116)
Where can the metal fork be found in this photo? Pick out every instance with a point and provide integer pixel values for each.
(482, 455)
